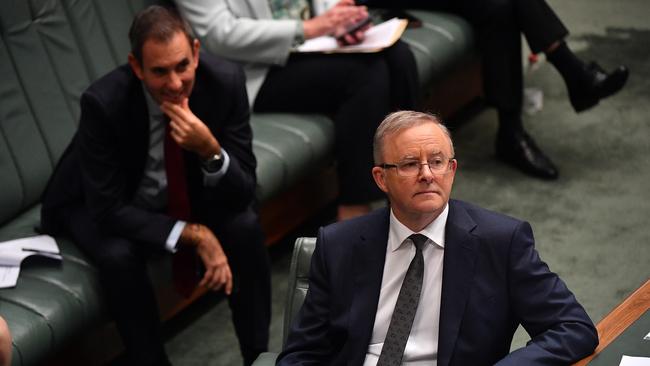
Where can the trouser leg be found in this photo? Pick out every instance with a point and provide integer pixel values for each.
(241, 237)
(129, 293)
(355, 90)
(539, 23)
(498, 25)
(404, 79)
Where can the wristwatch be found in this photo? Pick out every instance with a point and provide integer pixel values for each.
(213, 163)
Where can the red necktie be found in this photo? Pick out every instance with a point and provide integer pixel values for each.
(184, 264)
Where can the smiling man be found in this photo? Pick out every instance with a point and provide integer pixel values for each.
(163, 162)
(431, 281)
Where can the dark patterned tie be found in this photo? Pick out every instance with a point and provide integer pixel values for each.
(184, 263)
(405, 308)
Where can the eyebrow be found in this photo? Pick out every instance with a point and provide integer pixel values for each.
(157, 68)
(409, 156)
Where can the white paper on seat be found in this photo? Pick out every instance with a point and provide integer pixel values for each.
(13, 252)
(634, 361)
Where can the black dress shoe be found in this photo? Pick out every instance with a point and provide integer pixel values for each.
(519, 150)
(595, 84)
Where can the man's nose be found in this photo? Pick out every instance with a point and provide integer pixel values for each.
(425, 173)
(174, 83)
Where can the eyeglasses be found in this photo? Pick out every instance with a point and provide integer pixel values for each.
(408, 168)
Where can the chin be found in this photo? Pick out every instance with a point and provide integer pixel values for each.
(429, 206)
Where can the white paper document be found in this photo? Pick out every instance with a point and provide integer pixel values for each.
(8, 276)
(377, 38)
(634, 361)
(13, 252)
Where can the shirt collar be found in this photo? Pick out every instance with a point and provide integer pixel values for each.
(435, 231)
(154, 109)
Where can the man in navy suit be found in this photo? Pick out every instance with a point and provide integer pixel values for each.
(163, 162)
(481, 277)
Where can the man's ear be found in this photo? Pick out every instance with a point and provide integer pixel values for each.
(135, 66)
(196, 46)
(379, 176)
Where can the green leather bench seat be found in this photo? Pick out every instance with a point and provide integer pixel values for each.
(441, 43)
(287, 147)
(50, 51)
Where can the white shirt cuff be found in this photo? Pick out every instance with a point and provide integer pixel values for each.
(211, 179)
(172, 240)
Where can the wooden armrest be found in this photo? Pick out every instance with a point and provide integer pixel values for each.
(620, 318)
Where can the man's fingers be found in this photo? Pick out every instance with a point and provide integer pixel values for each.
(228, 280)
(218, 277)
(221, 278)
(180, 113)
(207, 276)
(171, 110)
(349, 39)
(185, 104)
(211, 279)
(178, 132)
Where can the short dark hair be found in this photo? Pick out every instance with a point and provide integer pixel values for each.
(159, 23)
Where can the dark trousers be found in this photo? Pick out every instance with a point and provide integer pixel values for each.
(499, 25)
(130, 295)
(357, 91)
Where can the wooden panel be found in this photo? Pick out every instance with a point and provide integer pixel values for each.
(620, 318)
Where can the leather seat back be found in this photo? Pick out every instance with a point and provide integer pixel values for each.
(50, 51)
(298, 281)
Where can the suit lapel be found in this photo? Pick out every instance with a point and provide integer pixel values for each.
(460, 254)
(369, 254)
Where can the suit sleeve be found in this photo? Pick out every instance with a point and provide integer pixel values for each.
(236, 37)
(236, 189)
(308, 341)
(560, 329)
(105, 180)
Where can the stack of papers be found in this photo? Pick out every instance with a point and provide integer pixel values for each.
(376, 39)
(13, 252)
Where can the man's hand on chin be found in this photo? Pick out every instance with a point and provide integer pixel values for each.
(189, 131)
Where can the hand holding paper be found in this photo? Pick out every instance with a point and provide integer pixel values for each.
(377, 38)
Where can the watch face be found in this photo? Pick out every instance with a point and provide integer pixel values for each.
(213, 164)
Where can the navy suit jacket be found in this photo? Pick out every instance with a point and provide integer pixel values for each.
(493, 280)
(102, 167)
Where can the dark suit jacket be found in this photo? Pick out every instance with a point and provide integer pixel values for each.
(493, 280)
(105, 161)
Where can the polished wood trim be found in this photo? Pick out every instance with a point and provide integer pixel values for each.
(620, 318)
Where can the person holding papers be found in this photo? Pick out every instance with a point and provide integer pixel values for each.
(499, 25)
(356, 90)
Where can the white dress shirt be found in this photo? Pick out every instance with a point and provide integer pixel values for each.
(152, 191)
(422, 345)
